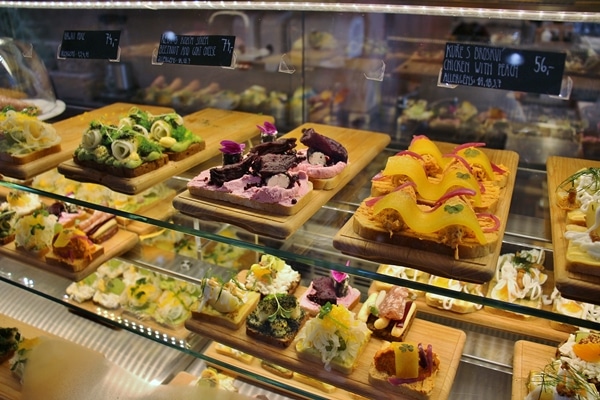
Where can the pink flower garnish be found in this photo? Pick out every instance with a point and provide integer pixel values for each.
(267, 128)
(339, 276)
(231, 147)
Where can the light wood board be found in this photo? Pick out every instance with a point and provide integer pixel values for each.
(213, 125)
(576, 284)
(120, 243)
(447, 343)
(10, 387)
(70, 130)
(281, 226)
(530, 326)
(528, 356)
(255, 367)
(476, 270)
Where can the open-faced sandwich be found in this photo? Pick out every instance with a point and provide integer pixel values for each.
(73, 248)
(139, 144)
(35, 232)
(335, 338)
(398, 271)
(324, 159)
(389, 314)
(276, 319)
(24, 138)
(573, 375)
(333, 289)
(410, 367)
(262, 179)
(579, 197)
(8, 218)
(519, 279)
(272, 275)
(428, 200)
(225, 303)
(9, 342)
(453, 304)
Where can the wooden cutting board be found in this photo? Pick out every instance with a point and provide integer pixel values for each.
(213, 125)
(476, 270)
(70, 131)
(113, 247)
(574, 282)
(447, 342)
(282, 226)
(528, 356)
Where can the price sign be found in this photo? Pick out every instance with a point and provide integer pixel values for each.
(213, 50)
(90, 45)
(503, 68)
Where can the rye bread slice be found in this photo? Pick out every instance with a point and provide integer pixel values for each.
(123, 172)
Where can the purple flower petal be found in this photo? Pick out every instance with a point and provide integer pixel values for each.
(267, 128)
(231, 147)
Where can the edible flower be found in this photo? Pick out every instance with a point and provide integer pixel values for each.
(231, 147)
(267, 128)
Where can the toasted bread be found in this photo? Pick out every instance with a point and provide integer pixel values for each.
(123, 172)
(272, 208)
(77, 264)
(29, 157)
(191, 150)
(369, 229)
(232, 320)
(420, 390)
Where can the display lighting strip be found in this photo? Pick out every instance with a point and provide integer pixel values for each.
(456, 11)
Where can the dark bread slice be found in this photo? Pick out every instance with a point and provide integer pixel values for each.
(369, 229)
(7, 239)
(29, 157)
(123, 172)
(192, 149)
(386, 333)
(283, 342)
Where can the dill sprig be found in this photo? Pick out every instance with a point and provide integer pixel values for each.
(594, 186)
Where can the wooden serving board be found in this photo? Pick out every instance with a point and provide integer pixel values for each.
(255, 367)
(528, 356)
(531, 326)
(573, 282)
(476, 270)
(70, 131)
(282, 226)
(120, 243)
(447, 342)
(10, 387)
(211, 124)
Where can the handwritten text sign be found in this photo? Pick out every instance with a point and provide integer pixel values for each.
(503, 68)
(90, 44)
(213, 50)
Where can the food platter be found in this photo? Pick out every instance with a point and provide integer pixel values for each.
(282, 226)
(447, 342)
(120, 243)
(573, 282)
(528, 356)
(70, 130)
(209, 123)
(476, 270)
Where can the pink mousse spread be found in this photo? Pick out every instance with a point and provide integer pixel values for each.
(318, 171)
(245, 187)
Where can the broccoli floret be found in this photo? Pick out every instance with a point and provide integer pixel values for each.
(140, 117)
(146, 146)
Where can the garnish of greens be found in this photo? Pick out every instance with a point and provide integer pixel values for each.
(325, 311)
(593, 186)
(280, 311)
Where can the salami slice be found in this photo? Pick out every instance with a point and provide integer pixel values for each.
(394, 303)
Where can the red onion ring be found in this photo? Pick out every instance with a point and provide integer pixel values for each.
(493, 218)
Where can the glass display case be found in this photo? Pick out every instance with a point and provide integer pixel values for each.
(370, 75)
